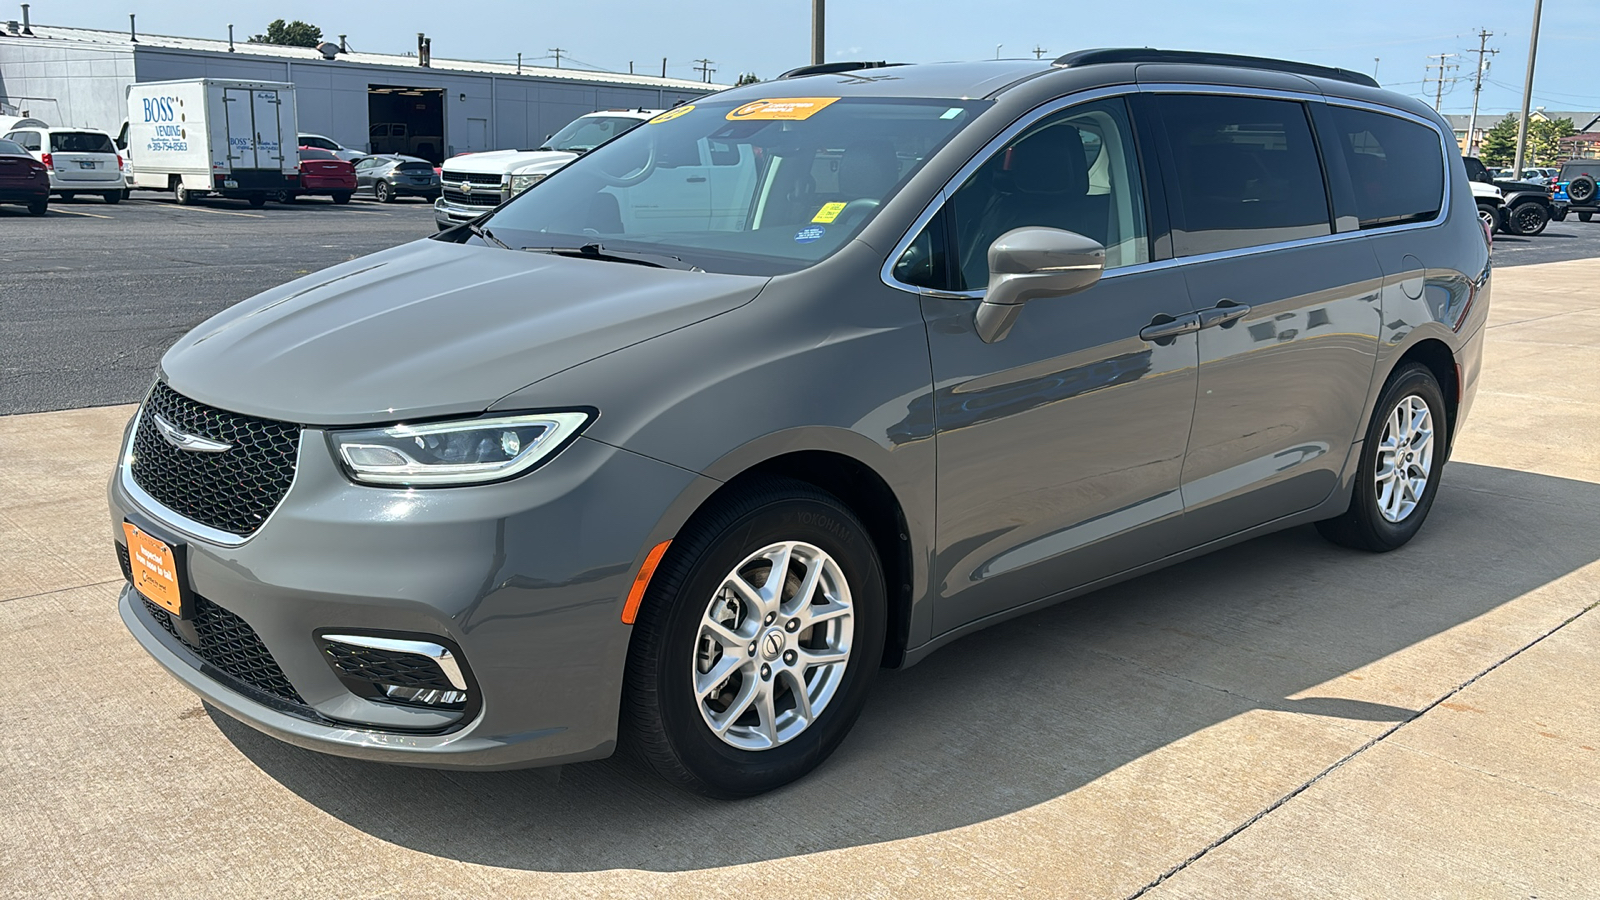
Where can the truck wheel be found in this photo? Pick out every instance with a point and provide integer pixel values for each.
(1581, 189)
(39, 207)
(1585, 217)
(113, 196)
(258, 200)
(182, 194)
(1529, 218)
(381, 192)
(341, 197)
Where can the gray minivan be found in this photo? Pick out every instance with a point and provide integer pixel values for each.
(678, 448)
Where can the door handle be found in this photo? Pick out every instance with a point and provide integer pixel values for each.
(1165, 329)
(695, 179)
(1224, 314)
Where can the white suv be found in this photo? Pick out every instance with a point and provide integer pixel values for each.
(475, 183)
(80, 160)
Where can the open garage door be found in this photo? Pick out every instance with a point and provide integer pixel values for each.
(406, 120)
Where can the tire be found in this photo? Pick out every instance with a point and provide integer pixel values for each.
(127, 194)
(68, 197)
(39, 207)
(1489, 216)
(342, 197)
(1585, 217)
(257, 201)
(182, 194)
(382, 193)
(285, 196)
(1371, 523)
(112, 196)
(1528, 218)
(1581, 189)
(665, 721)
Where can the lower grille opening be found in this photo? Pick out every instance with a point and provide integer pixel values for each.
(396, 675)
(229, 645)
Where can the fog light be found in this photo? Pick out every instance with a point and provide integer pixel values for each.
(429, 696)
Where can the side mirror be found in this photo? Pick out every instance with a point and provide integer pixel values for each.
(1027, 263)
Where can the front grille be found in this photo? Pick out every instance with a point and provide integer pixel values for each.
(229, 645)
(233, 491)
(474, 177)
(484, 198)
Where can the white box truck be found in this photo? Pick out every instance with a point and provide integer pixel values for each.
(212, 136)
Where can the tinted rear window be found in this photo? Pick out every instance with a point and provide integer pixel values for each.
(314, 153)
(1396, 166)
(415, 167)
(80, 142)
(1248, 173)
(11, 148)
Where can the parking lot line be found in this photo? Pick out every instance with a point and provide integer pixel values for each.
(74, 212)
(219, 212)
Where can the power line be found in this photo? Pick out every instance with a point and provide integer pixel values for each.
(1445, 68)
(705, 70)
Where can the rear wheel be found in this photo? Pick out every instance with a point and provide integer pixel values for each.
(258, 200)
(1401, 460)
(382, 193)
(1585, 217)
(112, 196)
(182, 194)
(38, 207)
(68, 196)
(341, 197)
(757, 642)
(285, 196)
(1529, 218)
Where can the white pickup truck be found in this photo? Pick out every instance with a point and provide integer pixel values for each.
(475, 183)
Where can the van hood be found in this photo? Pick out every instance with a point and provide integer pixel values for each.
(432, 328)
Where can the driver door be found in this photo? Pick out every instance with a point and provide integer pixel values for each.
(1060, 446)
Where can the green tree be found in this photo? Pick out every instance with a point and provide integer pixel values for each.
(289, 34)
(1544, 141)
(1499, 147)
(747, 78)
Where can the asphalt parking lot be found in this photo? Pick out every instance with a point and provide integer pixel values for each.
(92, 294)
(1279, 719)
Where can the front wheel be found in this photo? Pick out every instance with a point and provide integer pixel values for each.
(1488, 216)
(1401, 460)
(1529, 218)
(757, 642)
(112, 196)
(382, 193)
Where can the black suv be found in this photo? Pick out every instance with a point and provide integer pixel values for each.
(1528, 207)
(1576, 185)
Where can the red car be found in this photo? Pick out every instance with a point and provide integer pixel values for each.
(23, 179)
(322, 173)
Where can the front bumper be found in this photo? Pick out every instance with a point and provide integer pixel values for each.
(447, 214)
(526, 577)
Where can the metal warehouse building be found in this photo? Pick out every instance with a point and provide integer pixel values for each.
(369, 101)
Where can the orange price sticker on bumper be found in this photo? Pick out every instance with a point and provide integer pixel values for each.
(155, 572)
(786, 109)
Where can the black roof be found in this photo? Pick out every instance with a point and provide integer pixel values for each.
(1189, 57)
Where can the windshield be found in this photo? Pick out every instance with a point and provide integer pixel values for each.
(760, 188)
(589, 132)
(80, 142)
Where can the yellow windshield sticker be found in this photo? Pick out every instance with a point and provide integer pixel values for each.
(788, 109)
(828, 213)
(671, 114)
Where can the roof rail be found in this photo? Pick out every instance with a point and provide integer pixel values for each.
(1191, 57)
(835, 67)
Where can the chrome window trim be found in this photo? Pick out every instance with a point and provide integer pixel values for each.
(886, 273)
(178, 522)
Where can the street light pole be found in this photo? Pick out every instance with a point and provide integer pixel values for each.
(817, 30)
(1527, 91)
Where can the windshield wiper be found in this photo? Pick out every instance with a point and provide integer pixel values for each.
(482, 232)
(595, 251)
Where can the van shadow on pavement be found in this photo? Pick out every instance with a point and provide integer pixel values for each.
(1027, 711)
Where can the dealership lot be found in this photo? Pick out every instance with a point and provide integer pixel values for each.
(1283, 718)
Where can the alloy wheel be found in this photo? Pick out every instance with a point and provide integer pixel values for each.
(773, 646)
(1405, 458)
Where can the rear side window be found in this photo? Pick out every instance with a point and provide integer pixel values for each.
(80, 142)
(1248, 173)
(1396, 166)
(28, 139)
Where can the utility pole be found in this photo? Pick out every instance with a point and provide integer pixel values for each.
(1527, 90)
(1039, 52)
(1375, 61)
(519, 63)
(1477, 83)
(705, 69)
(557, 51)
(818, 29)
(1444, 69)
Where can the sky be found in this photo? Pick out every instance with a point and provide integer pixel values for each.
(768, 36)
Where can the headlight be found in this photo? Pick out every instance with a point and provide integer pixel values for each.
(472, 451)
(520, 183)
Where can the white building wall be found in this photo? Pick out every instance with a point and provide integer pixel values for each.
(65, 83)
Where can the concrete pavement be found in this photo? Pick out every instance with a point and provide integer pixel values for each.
(1283, 718)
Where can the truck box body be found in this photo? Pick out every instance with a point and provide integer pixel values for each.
(236, 138)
